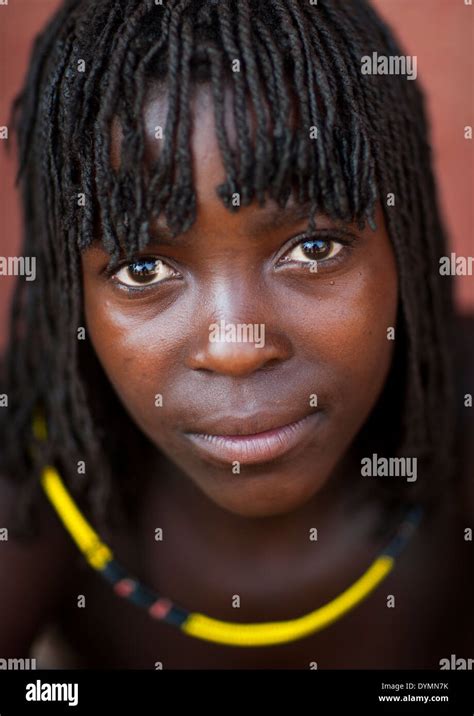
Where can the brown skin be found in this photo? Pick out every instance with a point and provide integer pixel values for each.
(326, 333)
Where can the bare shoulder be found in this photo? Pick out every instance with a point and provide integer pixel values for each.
(33, 573)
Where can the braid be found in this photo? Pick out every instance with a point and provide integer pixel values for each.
(245, 176)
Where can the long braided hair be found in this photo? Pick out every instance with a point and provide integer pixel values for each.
(93, 65)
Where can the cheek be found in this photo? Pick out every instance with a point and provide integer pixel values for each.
(366, 334)
(345, 331)
(135, 352)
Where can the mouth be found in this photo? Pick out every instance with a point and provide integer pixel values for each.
(258, 447)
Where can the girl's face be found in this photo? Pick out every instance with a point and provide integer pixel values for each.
(244, 325)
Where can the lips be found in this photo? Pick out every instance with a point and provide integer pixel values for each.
(250, 448)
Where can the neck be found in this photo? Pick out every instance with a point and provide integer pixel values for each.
(328, 519)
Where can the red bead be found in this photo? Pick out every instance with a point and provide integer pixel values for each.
(160, 608)
(124, 587)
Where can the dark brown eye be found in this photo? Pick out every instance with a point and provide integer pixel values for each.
(144, 272)
(313, 250)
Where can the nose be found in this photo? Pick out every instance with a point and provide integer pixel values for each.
(238, 349)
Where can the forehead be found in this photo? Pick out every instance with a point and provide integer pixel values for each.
(207, 164)
(193, 148)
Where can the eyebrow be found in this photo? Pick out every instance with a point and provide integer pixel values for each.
(283, 216)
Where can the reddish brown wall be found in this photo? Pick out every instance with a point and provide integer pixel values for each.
(439, 32)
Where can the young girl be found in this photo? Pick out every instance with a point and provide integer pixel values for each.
(236, 430)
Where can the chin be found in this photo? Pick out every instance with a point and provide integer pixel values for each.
(256, 497)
